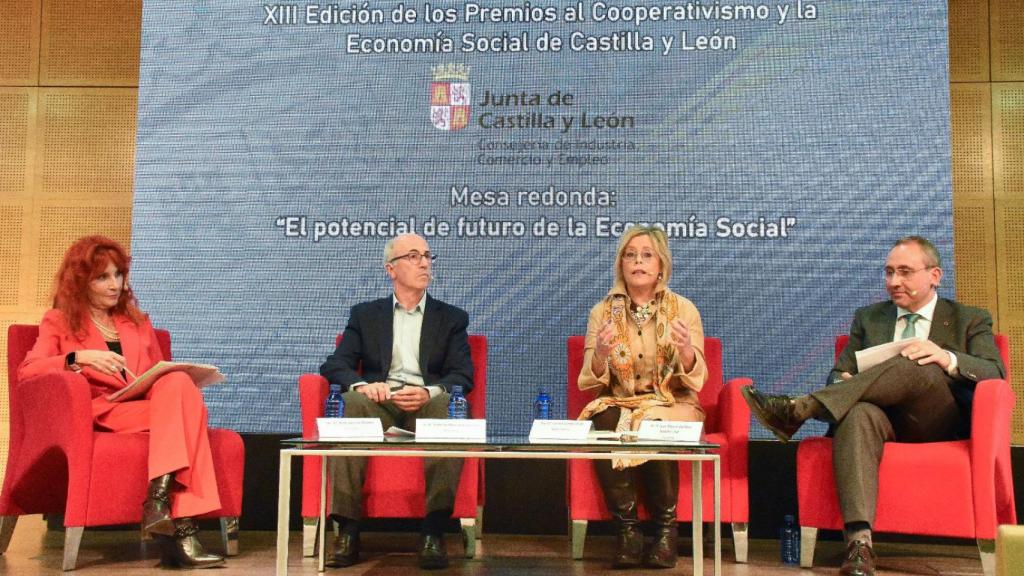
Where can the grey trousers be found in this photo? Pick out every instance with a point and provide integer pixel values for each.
(441, 475)
(897, 400)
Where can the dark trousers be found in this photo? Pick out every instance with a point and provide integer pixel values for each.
(441, 475)
(898, 400)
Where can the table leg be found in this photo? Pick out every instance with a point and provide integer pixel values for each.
(284, 478)
(718, 516)
(323, 513)
(698, 519)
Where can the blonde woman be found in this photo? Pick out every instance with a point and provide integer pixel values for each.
(644, 355)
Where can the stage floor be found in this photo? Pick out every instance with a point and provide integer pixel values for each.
(34, 550)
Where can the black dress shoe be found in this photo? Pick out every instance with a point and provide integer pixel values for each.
(433, 555)
(860, 559)
(776, 413)
(344, 550)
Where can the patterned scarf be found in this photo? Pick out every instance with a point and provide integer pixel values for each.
(634, 408)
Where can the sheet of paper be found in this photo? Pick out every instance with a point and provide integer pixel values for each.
(875, 355)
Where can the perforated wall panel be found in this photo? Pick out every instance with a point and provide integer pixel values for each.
(1016, 334)
(16, 105)
(968, 41)
(971, 126)
(88, 141)
(1007, 25)
(59, 226)
(1008, 140)
(974, 246)
(19, 43)
(11, 228)
(90, 43)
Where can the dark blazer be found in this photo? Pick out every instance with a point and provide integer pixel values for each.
(364, 354)
(964, 330)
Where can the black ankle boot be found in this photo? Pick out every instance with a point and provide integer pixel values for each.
(661, 480)
(183, 549)
(620, 498)
(156, 510)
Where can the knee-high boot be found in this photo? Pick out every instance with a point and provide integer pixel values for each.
(661, 481)
(620, 498)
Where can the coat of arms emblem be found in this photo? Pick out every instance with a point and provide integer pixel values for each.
(450, 97)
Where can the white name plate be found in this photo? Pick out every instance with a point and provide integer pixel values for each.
(560, 430)
(444, 429)
(349, 429)
(670, 431)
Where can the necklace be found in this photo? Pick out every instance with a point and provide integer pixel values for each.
(109, 333)
(642, 313)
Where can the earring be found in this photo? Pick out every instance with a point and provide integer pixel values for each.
(661, 276)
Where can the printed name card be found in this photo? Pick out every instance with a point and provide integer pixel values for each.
(560, 430)
(447, 430)
(670, 431)
(349, 429)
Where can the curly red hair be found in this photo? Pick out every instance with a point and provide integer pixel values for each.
(85, 261)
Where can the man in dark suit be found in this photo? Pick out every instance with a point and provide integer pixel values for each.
(411, 349)
(923, 394)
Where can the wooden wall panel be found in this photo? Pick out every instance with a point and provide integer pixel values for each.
(90, 43)
(1008, 140)
(87, 142)
(17, 118)
(1008, 187)
(59, 226)
(1007, 40)
(19, 43)
(968, 41)
(971, 128)
(975, 253)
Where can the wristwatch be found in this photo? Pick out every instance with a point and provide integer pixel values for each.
(69, 361)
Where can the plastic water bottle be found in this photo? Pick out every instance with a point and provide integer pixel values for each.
(458, 406)
(789, 540)
(542, 406)
(335, 405)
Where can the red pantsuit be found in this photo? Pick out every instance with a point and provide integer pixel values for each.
(173, 411)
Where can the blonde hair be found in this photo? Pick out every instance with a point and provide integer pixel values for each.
(660, 242)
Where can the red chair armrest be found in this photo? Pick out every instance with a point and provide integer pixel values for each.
(735, 414)
(313, 389)
(51, 434)
(990, 456)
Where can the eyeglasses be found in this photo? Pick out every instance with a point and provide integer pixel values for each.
(642, 256)
(903, 272)
(414, 257)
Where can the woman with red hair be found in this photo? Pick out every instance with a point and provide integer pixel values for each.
(96, 329)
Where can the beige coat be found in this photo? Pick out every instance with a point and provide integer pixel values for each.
(643, 342)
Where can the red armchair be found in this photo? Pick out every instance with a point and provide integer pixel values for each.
(59, 464)
(961, 489)
(394, 487)
(727, 424)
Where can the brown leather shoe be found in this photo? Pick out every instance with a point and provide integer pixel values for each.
(344, 550)
(776, 413)
(433, 555)
(860, 559)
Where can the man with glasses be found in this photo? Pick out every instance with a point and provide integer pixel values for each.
(411, 350)
(923, 394)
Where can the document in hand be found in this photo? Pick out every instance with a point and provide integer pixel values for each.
(875, 355)
(202, 374)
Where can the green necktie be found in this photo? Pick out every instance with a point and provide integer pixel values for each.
(908, 330)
